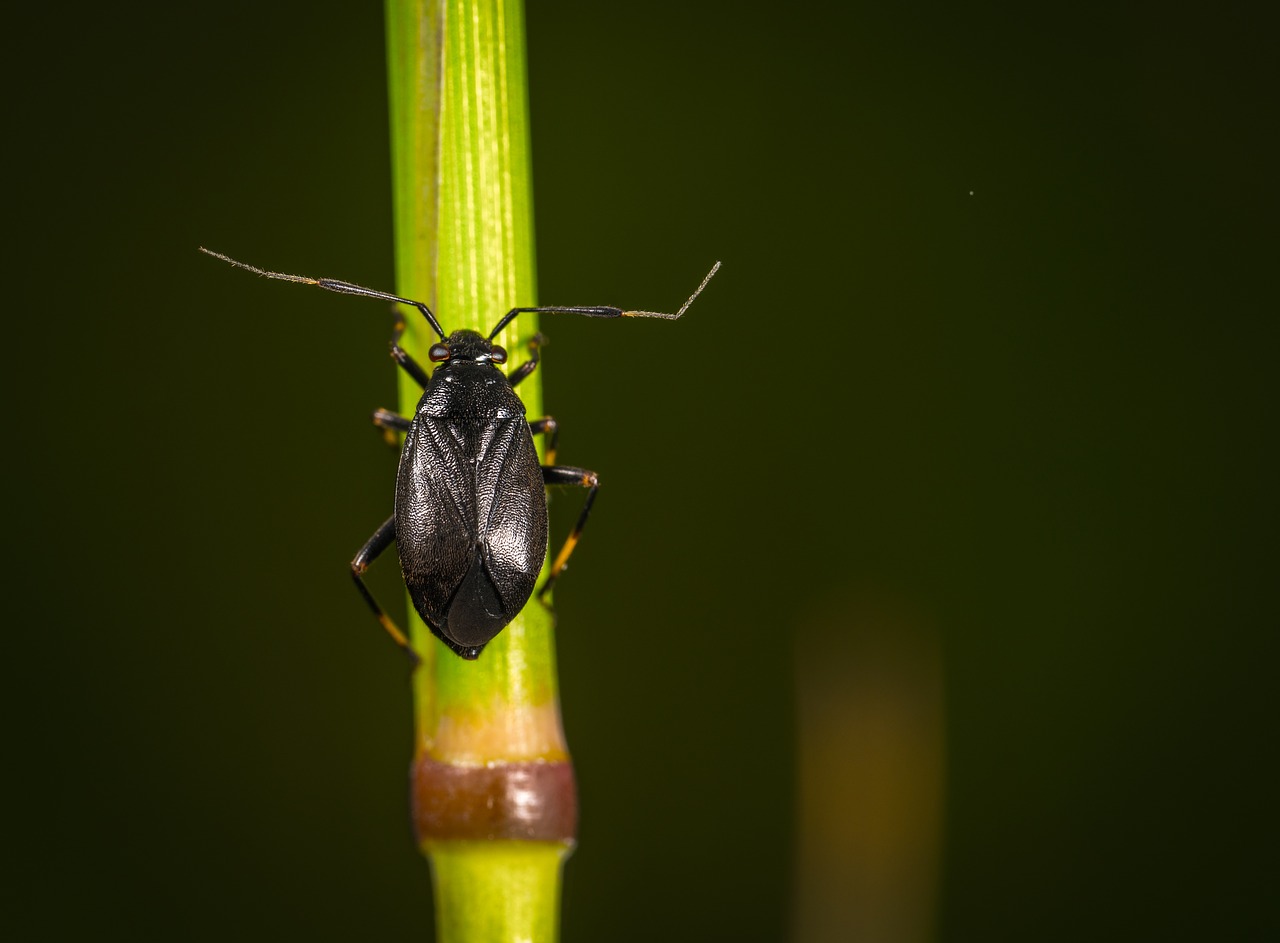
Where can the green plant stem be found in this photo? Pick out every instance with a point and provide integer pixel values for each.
(464, 244)
(504, 890)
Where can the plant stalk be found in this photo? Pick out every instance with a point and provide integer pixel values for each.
(495, 805)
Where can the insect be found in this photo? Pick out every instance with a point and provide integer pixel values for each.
(470, 521)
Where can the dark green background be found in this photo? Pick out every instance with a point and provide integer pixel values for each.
(995, 340)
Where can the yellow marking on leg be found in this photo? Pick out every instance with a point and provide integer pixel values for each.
(564, 555)
(394, 632)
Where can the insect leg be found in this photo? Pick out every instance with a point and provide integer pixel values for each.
(382, 539)
(531, 364)
(547, 426)
(401, 356)
(568, 475)
(390, 423)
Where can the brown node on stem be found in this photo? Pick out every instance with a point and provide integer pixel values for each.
(523, 801)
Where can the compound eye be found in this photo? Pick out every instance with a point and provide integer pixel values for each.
(438, 352)
(498, 354)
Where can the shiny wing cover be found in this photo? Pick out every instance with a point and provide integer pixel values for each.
(471, 524)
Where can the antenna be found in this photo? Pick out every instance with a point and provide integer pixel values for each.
(683, 308)
(342, 288)
(603, 311)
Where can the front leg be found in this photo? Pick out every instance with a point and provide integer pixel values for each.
(530, 365)
(401, 356)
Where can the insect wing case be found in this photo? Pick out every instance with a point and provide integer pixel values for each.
(471, 508)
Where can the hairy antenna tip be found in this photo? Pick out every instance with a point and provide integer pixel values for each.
(279, 276)
(683, 308)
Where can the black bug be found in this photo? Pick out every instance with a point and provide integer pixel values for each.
(470, 520)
